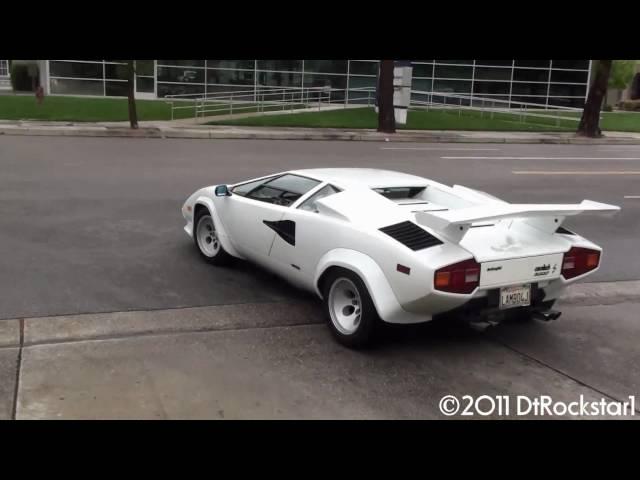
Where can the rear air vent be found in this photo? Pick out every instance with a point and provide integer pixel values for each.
(564, 231)
(411, 235)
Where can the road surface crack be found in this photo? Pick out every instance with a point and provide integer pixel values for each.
(16, 385)
(558, 371)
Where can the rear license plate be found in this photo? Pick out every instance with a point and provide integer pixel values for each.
(511, 297)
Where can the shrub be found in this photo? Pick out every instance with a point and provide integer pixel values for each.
(20, 79)
(630, 105)
(607, 108)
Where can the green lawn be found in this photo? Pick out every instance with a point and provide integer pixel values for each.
(86, 109)
(80, 109)
(436, 120)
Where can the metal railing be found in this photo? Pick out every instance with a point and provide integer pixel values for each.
(266, 99)
(490, 106)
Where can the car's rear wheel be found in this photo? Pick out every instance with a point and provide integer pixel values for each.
(206, 239)
(350, 312)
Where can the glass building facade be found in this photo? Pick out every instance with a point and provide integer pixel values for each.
(5, 81)
(542, 82)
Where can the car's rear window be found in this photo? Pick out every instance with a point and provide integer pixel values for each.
(398, 193)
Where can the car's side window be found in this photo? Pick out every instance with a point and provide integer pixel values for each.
(310, 203)
(245, 188)
(283, 190)
(264, 193)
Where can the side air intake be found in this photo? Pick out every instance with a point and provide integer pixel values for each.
(564, 231)
(411, 235)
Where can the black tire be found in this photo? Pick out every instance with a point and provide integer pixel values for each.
(365, 333)
(220, 257)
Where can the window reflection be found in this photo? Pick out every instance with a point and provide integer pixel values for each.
(536, 80)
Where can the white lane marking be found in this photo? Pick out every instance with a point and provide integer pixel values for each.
(574, 172)
(541, 158)
(618, 147)
(442, 148)
(632, 196)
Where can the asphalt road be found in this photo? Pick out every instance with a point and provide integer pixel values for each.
(94, 224)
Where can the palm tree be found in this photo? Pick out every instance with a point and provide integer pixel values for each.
(386, 116)
(590, 122)
(133, 115)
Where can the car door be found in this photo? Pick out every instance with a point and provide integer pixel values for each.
(248, 221)
(308, 235)
(255, 217)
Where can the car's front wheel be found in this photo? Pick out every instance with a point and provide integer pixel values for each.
(207, 241)
(350, 312)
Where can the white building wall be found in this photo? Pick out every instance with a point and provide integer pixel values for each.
(5, 79)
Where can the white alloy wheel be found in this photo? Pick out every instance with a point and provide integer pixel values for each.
(345, 306)
(206, 237)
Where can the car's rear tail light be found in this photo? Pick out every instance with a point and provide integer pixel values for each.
(579, 261)
(461, 277)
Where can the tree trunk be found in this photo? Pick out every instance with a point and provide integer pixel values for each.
(386, 116)
(133, 115)
(590, 122)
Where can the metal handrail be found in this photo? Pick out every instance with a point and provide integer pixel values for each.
(263, 97)
(492, 100)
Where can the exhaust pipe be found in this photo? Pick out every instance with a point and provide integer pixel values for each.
(547, 316)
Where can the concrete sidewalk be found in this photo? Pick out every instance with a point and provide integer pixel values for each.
(180, 129)
(277, 361)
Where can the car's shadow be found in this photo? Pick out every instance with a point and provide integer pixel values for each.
(251, 275)
(424, 335)
(453, 329)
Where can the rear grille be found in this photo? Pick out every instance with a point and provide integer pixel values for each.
(411, 235)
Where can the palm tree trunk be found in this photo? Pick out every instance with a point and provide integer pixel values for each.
(386, 116)
(133, 115)
(590, 122)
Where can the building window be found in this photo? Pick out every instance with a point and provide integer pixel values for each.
(217, 76)
(526, 75)
(66, 86)
(4, 68)
(280, 65)
(362, 67)
(76, 69)
(232, 64)
(182, 63)
(325, 66)
(533, 63)
(180, 75)
(571, 64)
(568, 76)
(453, 72)
(490, 73)
(537, 81)
(491, 88)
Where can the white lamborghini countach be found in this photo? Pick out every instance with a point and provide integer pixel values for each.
(378, 245)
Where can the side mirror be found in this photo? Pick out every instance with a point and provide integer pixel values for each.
(222, 191)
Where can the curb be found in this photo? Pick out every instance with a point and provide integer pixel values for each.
(257, 133)
(114, 325)
(110, 326)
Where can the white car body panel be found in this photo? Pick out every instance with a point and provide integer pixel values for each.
(510, 241)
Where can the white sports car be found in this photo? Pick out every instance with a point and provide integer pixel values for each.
(381, 245)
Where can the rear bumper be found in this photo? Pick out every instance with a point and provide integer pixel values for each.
(488, 305)
(483, 301)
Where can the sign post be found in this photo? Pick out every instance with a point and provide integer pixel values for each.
(402, 75)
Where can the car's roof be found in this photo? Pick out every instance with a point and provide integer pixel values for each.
(365, 177)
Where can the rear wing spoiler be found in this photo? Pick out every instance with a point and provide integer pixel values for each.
(454, 224)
